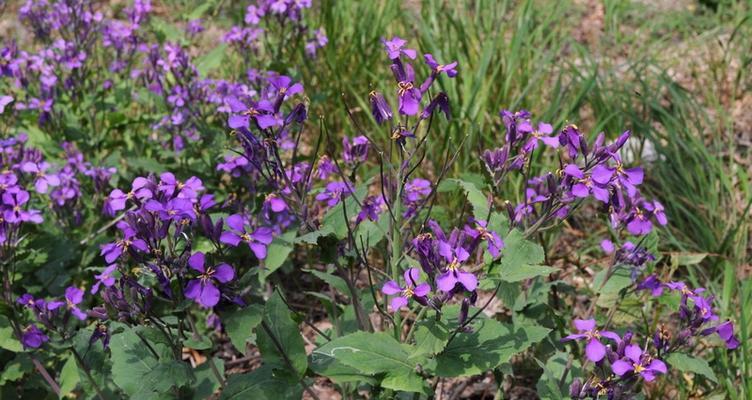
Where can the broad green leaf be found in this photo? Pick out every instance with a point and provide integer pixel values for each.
(486, 347)
(68, 377)
(211, 60)
(687, 363)
(370, 233)
(475, 197)
(609, 292)
(313, 237)
(333, 280)
(206, 381)
(328, 366)
(335, 217)
(240, 323)
(430, 337)
(686, 259)
(141, 375)
(16, 368)
(284, 333)
(8, 340)
(370, 353)
(277, 253)
(524, 271)
(261, 384)
(548, 385)
(405, 381)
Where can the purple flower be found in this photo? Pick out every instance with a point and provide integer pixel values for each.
(726, 332)
(481, 231)
(607, 246)
(542, 134)
(177, 210)
(32, 337)
(413, 289)
(626, 178)
(442, 101)
(15, 213)
(640, 363)
(355, 151)
(380, 109)
(105, 278)
(140, 189)
(395, 48)
(652, 283)
(408, 95)
(203, 289)
(257, 240)
(449, 69)
(583, 185)
(261, 113)
(372, 206)
(188, 190)
(453, 273)
(275, 203)
(43, 180)
(113, 251)
(587, 330)
(333, 192)
(284, 85)
(4, 101)
(73, 296)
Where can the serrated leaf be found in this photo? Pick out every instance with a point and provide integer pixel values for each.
(609, 292)
(430, 337)
(240, 323)
(490, 344)
(283, 331)
(8, 340)
(68, 377)
(687, 363)
(261, 384)
(476, 198)
(524, 271)
(277, 253)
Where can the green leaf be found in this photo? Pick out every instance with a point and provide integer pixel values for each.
(548, 385)
(313, 237)
(687, 363)
(68, 377)
(476, 198)
(329, 277)
(371, 353)
(141, 375)
(490, 344)
(261, 384)
(371, 233)
(240, 323)
(16, 368)
(335, 217)
(285, 335)
(8, 340)
(430, 337)
(609, 292)
(277, 253)
(206, 381)
(524, 271)
(211, 60)
(328, 366)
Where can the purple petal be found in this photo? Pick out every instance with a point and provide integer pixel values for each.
(658, 366)
(574, 336)
(258, 249)
(209, 296)
(595, 350)
(446, 281)
(193, 289)
(196, 261)
(238, 121)
(422, 290)
(236, 222)
(621, 367)
(633, 352)
(468, 280)
(229, 238)
(391, 288)
(224, 273)
(584, 324)
(412, 276)
(397, 303)
(602, 174)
